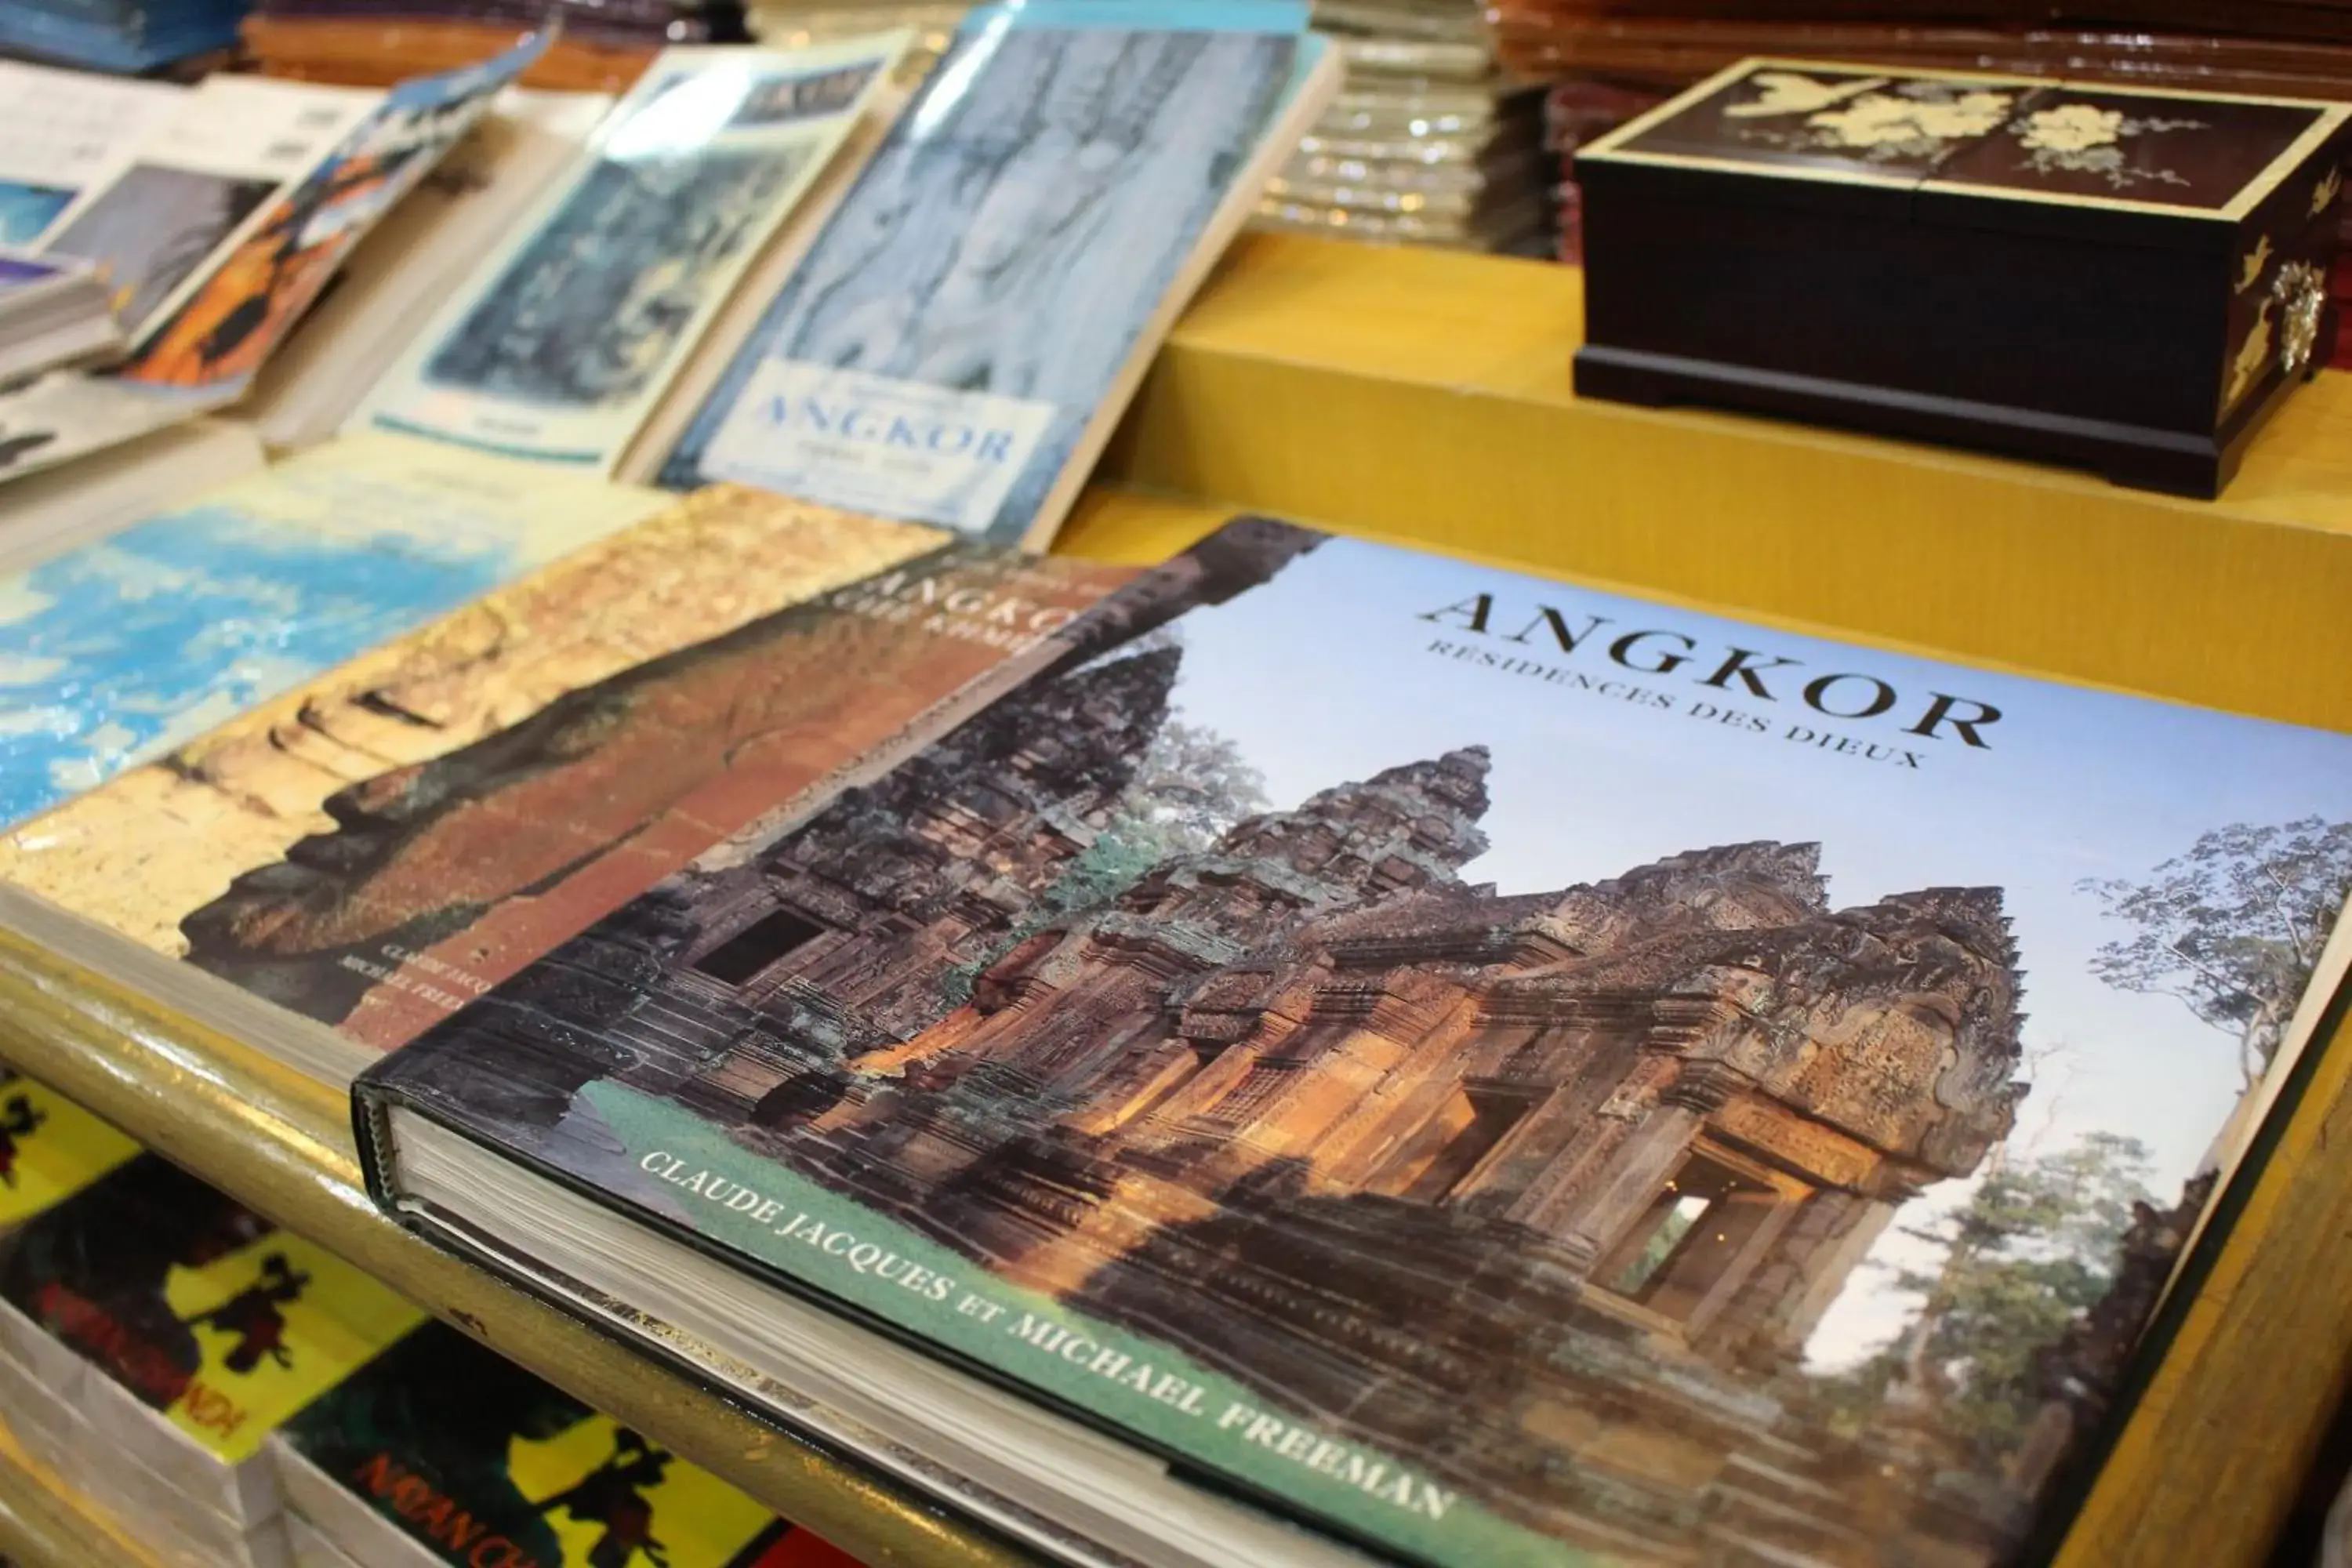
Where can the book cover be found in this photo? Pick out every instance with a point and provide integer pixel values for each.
(1514, 1073)
(118, 651)
(377, 847)
(477, 1460)
(940, 350)
(216, 335)
(50, 1149)
(62, 131)
(568, 334)
(201, 1308)
(170, 216)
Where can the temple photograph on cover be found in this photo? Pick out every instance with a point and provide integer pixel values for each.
(1682, 1084)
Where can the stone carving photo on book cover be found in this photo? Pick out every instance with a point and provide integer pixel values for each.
(937, 354)
(1538, 1070)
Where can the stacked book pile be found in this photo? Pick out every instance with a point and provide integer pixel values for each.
(1428, 143)
(127, 37)
(1609, 59)
(603, 44)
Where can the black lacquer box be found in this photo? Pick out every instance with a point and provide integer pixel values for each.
(2126, 281)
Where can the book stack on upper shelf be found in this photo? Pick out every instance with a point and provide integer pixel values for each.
(1427, 142)
(54, 312)
(127, 37)
(604, 46)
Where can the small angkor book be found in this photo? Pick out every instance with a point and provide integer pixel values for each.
(566, 335)
(377, 846)
(439, 1451)
(153, 1332)
(1394, 1057)
(959, 339)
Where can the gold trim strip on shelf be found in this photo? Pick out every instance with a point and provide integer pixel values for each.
(282, 1144)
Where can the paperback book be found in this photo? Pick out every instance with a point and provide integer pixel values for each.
(571, 331)
(118, 651)
(168, 219)
(153, 1334)
(62, 131)
(415, 257)
(957, 343)
(1494, 1072)
(216, 334)
(50, 1149)
(439, 1451)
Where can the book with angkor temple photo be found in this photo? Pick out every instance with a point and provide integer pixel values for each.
(439, 1451)
(1362, 1056)
(372, 848)
(564, 338)
(116, 651)
(956, 344)
(390, 287)
(153, 1333)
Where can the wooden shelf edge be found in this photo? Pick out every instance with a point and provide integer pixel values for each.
(282, 1144)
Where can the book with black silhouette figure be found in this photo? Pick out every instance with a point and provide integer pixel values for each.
(1400, 1056)
(439, 1451)
(153, 1332)
(50, 1149)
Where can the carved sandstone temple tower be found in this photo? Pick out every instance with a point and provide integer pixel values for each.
(1453, 1171)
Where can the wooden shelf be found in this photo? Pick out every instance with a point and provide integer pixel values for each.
(1423, 397)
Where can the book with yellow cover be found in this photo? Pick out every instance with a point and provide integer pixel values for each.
(50, 1149)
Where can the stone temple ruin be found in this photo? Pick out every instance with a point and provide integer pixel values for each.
(1546, 1189)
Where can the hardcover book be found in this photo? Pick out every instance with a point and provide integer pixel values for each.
(116, 652)
(957, 343)
(1499, 1072)
(377, 846)
(448, 1449)
(566, 335)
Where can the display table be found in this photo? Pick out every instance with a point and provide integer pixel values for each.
(1425, 397)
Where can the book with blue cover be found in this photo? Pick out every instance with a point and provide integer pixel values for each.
(116, 652)
(965, 331)
(1493, 1071)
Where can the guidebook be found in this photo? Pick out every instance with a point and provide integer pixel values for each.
(380, 844)
(963, 335)
(50, 1149)
(1489, 1070)
(440, 1451)
(568, 334)
(118, 651)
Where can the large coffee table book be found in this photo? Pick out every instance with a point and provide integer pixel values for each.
(1477, 1070)
(959, 340)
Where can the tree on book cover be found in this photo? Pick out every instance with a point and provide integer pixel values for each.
(479, 1461)
(1671, 1200)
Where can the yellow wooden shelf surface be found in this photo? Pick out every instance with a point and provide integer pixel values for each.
(1424, 398)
